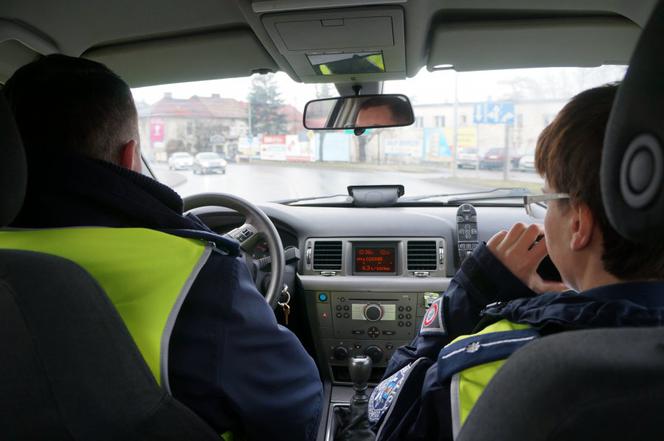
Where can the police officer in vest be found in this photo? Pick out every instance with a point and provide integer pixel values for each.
(223, 354)
(497, 302)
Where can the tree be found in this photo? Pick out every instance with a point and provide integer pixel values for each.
(265, 103)
(322, 91)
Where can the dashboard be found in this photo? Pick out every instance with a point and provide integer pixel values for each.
(366, 276)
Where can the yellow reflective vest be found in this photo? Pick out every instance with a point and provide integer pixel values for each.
(146, 274)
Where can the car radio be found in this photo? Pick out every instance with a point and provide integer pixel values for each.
(368, 323)
(376, 316)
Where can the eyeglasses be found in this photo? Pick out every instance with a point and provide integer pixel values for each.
(537, 204)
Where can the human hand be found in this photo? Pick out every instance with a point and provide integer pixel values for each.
(521, 250)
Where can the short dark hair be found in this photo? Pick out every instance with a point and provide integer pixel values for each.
(74, 105)
(397, 107)
(568, 154)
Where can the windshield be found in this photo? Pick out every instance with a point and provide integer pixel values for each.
(470, 133)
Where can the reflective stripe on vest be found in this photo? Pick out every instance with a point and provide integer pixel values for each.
(146, 274)
(467, 385)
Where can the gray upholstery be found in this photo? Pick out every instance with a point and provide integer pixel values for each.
(602, 384)
(632, 169)
(70, 370)
(13, 175)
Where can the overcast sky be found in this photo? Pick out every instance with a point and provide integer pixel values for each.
(426, 87)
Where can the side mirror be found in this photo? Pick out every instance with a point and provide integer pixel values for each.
(358, 112)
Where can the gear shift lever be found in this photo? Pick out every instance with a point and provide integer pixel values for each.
(357, 428)
(360, 369)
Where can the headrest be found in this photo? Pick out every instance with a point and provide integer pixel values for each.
(13, 170)
(632, 169)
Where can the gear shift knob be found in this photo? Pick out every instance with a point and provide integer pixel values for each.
(359, 368)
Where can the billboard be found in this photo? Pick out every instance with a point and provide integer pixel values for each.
(156, 131)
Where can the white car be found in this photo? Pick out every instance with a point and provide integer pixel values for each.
(527, 163)
(467, 158)
(180, 161)
(209, 162)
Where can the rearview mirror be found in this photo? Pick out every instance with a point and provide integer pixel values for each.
(358, 112)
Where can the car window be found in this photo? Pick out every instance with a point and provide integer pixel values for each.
(255, 124)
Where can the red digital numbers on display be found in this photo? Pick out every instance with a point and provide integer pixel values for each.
(374, 260)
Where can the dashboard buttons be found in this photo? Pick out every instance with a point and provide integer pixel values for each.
(400, 308)
(346, 308)
(322, 297)
(346, 315)
(408, 316)
(373, 332)
(408, 308)
(389, 332)
(409, 324)
(400, 316)
(357, 331)
(401, 324)
(340, 353)
(373, 312)
(338, 315)
(338, 307)
(375, 353)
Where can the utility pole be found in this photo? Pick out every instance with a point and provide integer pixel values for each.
(507, 162)
(455, 134)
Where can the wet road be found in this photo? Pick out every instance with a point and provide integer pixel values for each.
(269, 182)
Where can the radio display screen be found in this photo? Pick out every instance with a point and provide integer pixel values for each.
(375, 259)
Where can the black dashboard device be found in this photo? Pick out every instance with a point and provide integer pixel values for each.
(375, 195)
(466, 231)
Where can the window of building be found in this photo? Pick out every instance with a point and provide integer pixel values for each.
(190, 128)
(464, 119)
(440, 121)
(419, 122)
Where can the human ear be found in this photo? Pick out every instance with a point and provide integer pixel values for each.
(130, 157)
(582, 224)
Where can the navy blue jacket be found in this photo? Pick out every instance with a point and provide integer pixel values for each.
(482, 292)
(229, 360)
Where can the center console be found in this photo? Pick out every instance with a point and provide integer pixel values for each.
(367, 296)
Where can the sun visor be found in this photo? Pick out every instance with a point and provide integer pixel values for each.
(341, 46)
(20, 45)
(213, 55)
(559, 42)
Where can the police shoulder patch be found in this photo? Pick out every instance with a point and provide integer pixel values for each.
(433, 319)
(385, 393)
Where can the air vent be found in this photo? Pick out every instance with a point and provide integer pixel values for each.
(422, 255)
(327, 255)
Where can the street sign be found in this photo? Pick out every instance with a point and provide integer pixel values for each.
(494, 113)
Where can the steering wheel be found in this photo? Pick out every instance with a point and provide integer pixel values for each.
(256, 225)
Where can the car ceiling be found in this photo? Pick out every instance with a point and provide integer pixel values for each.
(157, 41)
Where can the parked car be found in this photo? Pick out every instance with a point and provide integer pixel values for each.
(527, 163)
(493, 159)
(209, 162)
(180, 161)
(467, 158)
